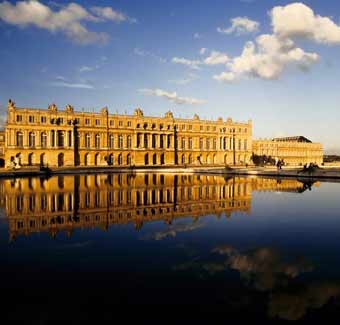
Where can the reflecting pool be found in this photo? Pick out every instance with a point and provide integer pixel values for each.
(85, 247)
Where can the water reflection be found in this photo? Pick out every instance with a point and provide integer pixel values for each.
(66, 203)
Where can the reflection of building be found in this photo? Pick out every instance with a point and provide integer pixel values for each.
(2, 148)
(69, 138)
(293, 150)
(65, 203)
(284, 185)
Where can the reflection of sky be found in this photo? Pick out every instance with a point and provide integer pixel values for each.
(297, 225)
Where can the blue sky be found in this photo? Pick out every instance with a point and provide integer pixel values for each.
(185, 56)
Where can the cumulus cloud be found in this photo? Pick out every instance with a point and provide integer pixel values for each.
(240, 25)
(69, 20)
(266, 59)
(107, 13)
(270, 54)
(173, 97)
(298, 20)
(216, 58)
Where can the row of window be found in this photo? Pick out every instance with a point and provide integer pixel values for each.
(56, 139)
(97, 122)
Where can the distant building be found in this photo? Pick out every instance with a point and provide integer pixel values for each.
(296, 150)
(69, 138)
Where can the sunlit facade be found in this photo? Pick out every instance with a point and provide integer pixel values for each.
(69, 138)
(292, 150)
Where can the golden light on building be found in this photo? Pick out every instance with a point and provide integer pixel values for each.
(69, 138)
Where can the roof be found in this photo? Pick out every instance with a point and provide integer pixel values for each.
(299, 138)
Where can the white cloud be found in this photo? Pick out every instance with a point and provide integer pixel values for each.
(197, 36)
(191, 77)
(216, 58)
(69, 20)
(266, 59)
(203, 50)
(71, 85)
(240, 25)
(192, 64)
(297, 20)
(173, 97)
(140, 52)
(107, 13)
(85, 68)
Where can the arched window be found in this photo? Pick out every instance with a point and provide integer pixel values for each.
(60, 160)
(120, 159)
(214, 143)
(153, 144)
(146, 159)
(190, 143)
(31, 139)
(111, 141)
(97, 141)
(183, 159)
(43, 140)
(145, 140)
(129, 142)
(128, 159)
(20, 139)
(154, 159)
(183, 143)
(86, 159)
(30, 159)
(190, 159)
(208, 144)
(201, 143)
(162, 159)
(87, 140)
(97, 159)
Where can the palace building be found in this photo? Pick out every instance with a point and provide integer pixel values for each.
(66, 137)
(292, 150)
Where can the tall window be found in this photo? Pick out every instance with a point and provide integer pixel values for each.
(214, 144)
(111, 141)
(120, 141)
(43, 140)
(31, 139)
(183, 143)
(201, 143)
(245, 144)
(190, 143)
(239, 144)
(52, 138)
(60, 138)
(87, 140)
(153, 141)
(208, 144)
(129, 142)
(31, 119)
(161, 144)
(97, 141)
(145, 140)
(69, 138)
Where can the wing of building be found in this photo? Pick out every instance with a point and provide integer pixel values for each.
(296, 150)
(65, 137)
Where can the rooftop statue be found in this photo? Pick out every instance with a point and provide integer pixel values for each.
(138, 112)
(196, 117)
(104, 110)
(169, 114)
(52, 107)
(69, 108)
(11, 104)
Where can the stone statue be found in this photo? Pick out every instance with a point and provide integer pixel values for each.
(104, 111)
(138, 112)
(196, 117)
(169, 114)
(52, 107)
(11, 104)
(69, 108)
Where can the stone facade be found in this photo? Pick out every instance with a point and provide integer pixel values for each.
(65, 137)
(67, 203)
(292, 150)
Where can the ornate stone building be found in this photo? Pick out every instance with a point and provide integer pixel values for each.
(67, 203)
(292, 150)
(69, 138)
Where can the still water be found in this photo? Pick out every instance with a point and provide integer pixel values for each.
(85, 247)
